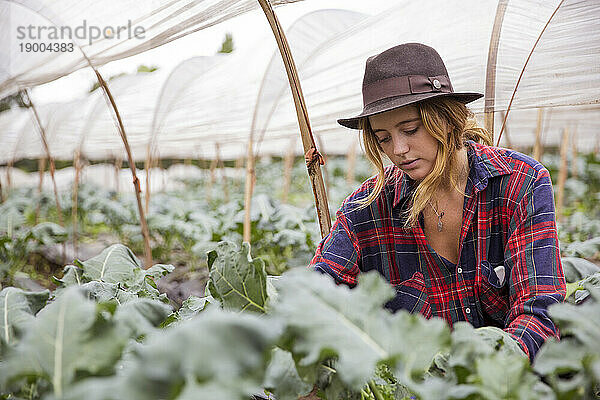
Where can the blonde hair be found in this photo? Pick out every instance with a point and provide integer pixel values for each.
(436, 115)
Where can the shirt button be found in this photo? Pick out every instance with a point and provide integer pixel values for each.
(459, 270)
(468, 310)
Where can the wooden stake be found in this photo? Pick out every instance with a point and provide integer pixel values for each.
(249, 188)
(537, 147)
(26, 99)
(509, 143)
(310, 149)
(240, 171)
(525, 66)
(136, 181)
(325, 171)
(562, 172)
(288, 166)
(490, 79)
(351, 163)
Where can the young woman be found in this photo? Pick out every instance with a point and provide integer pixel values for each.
(462, 230)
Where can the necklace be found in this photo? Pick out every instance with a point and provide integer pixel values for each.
(440, 224)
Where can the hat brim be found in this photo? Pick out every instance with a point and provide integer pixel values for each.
(392, 103)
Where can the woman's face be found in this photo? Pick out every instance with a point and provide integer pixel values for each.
(405, 141)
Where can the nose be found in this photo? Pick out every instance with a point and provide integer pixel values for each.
(400, 145)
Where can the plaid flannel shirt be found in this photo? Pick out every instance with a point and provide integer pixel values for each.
(508, 226)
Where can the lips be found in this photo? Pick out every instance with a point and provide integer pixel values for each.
(409, 164)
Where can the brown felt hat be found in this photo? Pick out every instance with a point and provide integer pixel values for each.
(403, 75)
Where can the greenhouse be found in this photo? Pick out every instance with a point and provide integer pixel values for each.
(156, 226)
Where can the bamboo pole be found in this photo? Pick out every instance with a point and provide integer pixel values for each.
(8, 174)
(288, 166)
(74, 219)
(136, 181)
(313, 158)
(240, 172)
(574, 172)
(120, 127)
(562, 173)
(327, 182)
(351, 163)
(509, 143)
(26, 99)
(249, 188)
(512, 97)
(537, 147)
(41, 172)
(29, 104)
(490, 78)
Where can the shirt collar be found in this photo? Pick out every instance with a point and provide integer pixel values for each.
(485, 162)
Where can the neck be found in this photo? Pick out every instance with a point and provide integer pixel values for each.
(459, 175)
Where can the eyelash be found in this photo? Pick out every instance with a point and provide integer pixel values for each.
(387, 138)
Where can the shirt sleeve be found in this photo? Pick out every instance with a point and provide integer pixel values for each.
(338, 253)
(536, 276)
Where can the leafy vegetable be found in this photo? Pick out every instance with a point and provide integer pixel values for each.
(236, 280)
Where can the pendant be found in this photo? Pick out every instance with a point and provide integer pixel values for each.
(440, 224)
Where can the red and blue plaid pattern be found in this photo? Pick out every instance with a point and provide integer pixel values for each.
(508, 220)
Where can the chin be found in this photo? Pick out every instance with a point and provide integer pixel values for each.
(417, 174)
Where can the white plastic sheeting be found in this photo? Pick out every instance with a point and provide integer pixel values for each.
(222, 99)
(101, 30)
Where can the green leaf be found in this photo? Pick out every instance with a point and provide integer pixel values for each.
(561, 357)
(116, 264)
(102, 292)
(141, 316)
(72, 275)
(282, 377)
(216, 352)
(109, 388)
(237, 280)
(576, 269)
(323, 320)
(68, 338)
(18, 309)
(581, 321)
(49, 233)
(191, 307)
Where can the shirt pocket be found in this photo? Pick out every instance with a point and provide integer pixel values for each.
(411, 295)
(492, 289)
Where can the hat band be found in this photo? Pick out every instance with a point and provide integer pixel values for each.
(404, 85)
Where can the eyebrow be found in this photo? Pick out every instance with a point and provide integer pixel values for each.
(399, 123)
